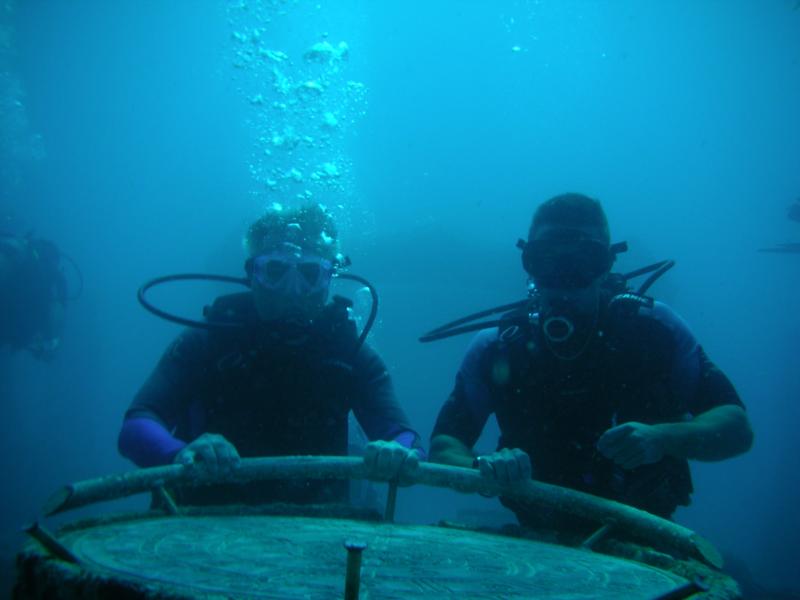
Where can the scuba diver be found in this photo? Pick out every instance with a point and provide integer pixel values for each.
(793, 214)
(794, 211)
(594, 387)
(34, 294)
(272, 371)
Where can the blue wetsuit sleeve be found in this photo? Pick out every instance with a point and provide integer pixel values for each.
(147, 443)
(375, 404)
(466, 410)
(696, 382)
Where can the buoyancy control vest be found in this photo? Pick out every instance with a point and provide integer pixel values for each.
(556, 411)
(271, 396)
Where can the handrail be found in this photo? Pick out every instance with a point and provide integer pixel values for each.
(649, 528)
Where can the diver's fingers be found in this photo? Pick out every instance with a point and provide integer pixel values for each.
(227, 456)
(615, 446)
(409, 468)
(370, 456)
(186, 456)
(524, 462)
(383, 459)
(628, 455)
(206, 456)
(399, 455)
(512, 468)
(486, 468)
(619, 446)
(236, 458)
(614, 435)
(616, 451)
(388, 461)
(411, 461)
(637, 460)
(501, 469)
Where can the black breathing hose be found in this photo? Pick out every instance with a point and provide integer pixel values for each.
(461, 325)
(149, 306)
(373, 313)
(141, 295)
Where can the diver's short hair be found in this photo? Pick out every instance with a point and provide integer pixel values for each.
(571, 210)
(310, 227)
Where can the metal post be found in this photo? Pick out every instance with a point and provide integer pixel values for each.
(50, 543)
(687, 590)
(352, 582)
(391, 502)
(596, 537)
(166, 500)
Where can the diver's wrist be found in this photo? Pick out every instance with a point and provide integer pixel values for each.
(674, 439)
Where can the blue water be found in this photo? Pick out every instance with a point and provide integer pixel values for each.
(143, 137)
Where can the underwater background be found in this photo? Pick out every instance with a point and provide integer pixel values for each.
(142, 137)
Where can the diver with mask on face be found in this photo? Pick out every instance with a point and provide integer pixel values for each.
(595, 387)
(274, 371)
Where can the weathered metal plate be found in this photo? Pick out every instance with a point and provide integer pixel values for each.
(301, 557)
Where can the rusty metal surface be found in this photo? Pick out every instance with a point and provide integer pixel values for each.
(301, 557)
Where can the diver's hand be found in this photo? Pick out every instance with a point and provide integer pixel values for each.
(389, 461)
(211, 453)
(632, 444)
(506, 465)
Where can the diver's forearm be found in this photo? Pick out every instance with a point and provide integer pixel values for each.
(720, 433)
(147, 443)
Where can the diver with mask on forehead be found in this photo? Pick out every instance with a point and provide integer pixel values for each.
(594, 387)
(274, 371)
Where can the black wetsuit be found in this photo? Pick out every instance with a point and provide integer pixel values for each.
(648, 368)
(268, 398)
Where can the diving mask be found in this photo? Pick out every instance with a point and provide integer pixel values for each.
(291, 272)
(568, 261)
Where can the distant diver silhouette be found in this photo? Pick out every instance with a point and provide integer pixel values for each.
(790, 248)
(794, 211)
(794, 215)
